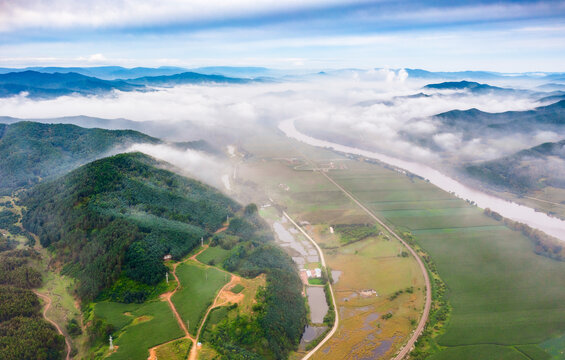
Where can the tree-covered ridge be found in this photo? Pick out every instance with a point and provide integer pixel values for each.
(527, 170)
(33, 151)
(120, 215)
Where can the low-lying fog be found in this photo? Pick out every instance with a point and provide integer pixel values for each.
(383, 111)
(374, 108)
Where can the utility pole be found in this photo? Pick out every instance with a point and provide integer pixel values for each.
(202, 241)
(111, 343)
(167, 277)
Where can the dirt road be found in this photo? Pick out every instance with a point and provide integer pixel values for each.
(427, 306)
(194, 351)
(167, 297)
(47, 300)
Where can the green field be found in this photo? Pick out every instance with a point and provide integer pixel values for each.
(555, 347)
(140, 327)
(213, 256)
(500, 291)
(175, 350)
(199, 286)
(237, 289)
(480, 352)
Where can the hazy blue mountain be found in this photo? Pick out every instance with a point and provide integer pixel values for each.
(552, 87)
(476, 123)
(236, 71)
(482, 75)
(424, 74)
(186, 78)
(104, 72)
(471, 86)
(553, 97)
(46, 85)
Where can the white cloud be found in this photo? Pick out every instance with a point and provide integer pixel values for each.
(370, 109)
(23, 14)
(191, 163)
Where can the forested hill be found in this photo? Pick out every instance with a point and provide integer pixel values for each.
(118, 216)
(527, 170)
(33, 151)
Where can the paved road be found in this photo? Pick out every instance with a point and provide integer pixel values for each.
(47, 306)
(336, 322)
(410, 343)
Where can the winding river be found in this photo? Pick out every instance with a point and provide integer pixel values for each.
(511, 210)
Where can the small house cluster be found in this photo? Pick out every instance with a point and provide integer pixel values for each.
(316, 273)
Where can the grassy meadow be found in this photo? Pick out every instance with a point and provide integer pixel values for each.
(199, 286)
(139, 327)
(213, 255)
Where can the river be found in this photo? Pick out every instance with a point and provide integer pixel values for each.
(538, 220)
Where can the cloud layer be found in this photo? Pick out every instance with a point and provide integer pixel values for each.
(438, 35)
(373, 109)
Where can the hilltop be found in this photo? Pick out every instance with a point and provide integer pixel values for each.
(32, 151)
(122, 213)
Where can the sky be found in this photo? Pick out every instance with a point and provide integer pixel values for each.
(505, 36)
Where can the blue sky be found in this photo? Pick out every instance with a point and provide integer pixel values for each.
(506, 36)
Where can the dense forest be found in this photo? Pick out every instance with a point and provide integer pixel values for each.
(279, 318)
(32, 151)
(117, 217)
(24, 334)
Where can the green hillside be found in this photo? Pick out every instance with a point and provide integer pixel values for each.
(32, 151)
(526, 170)
(119, 216)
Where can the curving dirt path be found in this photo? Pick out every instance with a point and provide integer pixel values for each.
(167, 297)
(47, 300)
(194, 351)
(427, 306)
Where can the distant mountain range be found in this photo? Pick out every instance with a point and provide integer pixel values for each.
(104, 72)
(472, 86)
(186, 78)
(39, 85)
(46, 85)
(473, 120)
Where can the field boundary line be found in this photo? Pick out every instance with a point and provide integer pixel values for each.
(428, 304)
(336, 322)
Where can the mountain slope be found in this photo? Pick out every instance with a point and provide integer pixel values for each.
(122, 213)
(186, 78)
(103, 72)
(527, 170)
(472, 122)
(49, 85)
(33, 151)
